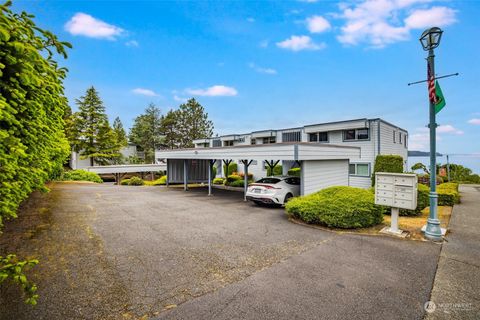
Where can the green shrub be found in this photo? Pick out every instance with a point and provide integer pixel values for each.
(447, 197)
(136, 181)
(125, 182)
(233, 177)
(340, 207)
(449, 186)
(218, 181)
(387, 163)
(423, 201)
(158, 182)
(232, 167)
(237, 183)
(294, 172)
(81, 175)
(277, 170)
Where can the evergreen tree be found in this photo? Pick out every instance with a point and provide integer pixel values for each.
(192, 123)
(169, 128)
(120, 134)
(147, 132)
(93, 136)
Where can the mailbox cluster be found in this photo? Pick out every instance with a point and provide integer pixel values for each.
(397, 190)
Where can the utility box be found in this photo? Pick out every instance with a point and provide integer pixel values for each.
(396, 190)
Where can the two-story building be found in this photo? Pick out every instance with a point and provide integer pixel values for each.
(372, 136)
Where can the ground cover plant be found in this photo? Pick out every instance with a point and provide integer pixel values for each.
(81, 175)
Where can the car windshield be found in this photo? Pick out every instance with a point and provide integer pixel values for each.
(269, 180)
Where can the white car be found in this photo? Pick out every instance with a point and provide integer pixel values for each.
(274, 190)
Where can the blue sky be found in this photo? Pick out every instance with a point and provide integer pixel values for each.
(258, 65)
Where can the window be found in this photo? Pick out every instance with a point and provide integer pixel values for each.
(356, 134)
(313, 137)
(359, 169)
(349, 134)
(394, 136)
(253, 141)
(217, 143)
(291, 136)
(228, 143)
(323, 136)
(400, 137)
(269, 180)
(405, 143)
(267, 140)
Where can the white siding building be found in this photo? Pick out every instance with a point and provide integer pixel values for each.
(372, 136)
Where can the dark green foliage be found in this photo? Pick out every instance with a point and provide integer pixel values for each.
(136, 181)
(12, 269)
(192, 123)
(340, 207)
(387, 163)
(459, 173)
(423, 201)
(91, 134)
(147, 132)
(81, 175)
(420, 166)
(119, 132)
(218, 181)
(277, 170)
(294, 172)
(237, 183)
(33, 146)
(232, 167)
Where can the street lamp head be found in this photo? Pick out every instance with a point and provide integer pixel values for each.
(430, 38)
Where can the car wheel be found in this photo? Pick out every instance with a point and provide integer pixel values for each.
(287, 198)
(258, 203)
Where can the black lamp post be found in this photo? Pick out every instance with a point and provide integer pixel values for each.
(430, 39)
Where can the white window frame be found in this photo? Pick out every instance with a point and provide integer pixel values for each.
(356, 170)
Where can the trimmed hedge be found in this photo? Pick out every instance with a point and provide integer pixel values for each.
(125, 182)
(277, 170)
(423, 201)
(158, 182)
(339, 207)
(233, 177)
(294, 172)
(446, 191)
(136, 181)
(387, 163)
(237, 183)
(232, 167)
(81, 175)
(218, 181)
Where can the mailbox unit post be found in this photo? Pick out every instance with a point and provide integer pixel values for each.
(398, 191)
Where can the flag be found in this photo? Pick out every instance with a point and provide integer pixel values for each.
(431, 85)
(439, 99)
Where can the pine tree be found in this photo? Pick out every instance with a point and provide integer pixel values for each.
(93, 136)
(192, 123)
(169, 128)
(147, 132)
(120, 134)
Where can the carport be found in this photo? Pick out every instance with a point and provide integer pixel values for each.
(322, 165)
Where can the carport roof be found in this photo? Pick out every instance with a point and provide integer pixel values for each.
(278, 151)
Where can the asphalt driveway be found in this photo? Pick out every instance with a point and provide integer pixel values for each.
(119, 252)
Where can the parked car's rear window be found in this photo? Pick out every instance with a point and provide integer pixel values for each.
(269, 180)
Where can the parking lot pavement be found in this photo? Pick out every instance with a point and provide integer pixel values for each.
(121, 252)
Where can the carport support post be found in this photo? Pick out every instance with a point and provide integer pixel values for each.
(185, 175)
(246, 164)
(210, 165)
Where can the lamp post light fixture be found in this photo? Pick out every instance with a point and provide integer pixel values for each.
(430, 39)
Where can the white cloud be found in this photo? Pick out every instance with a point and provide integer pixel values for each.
(298, 43)
(83, 24)
(179, 99)
(261, 69)
(382, 22)
(475, 121)
(214, 91)
(145, 92)
(435, 16)
(449, 129)
(131, 43)
(317, 24)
